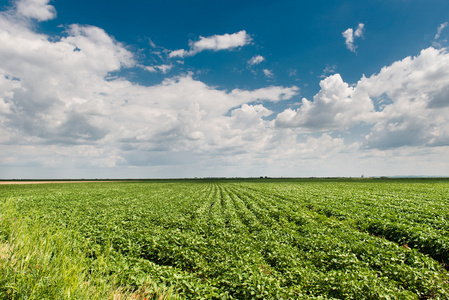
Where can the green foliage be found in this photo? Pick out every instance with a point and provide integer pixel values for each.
(39, 261)
(254, 239)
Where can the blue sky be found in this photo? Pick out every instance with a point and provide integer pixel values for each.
(301, 36)
(113, 89)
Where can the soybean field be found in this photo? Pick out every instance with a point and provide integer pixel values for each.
(226, 239)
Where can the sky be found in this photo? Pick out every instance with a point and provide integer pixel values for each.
(174, 89)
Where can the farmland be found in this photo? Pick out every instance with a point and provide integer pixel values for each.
(226, 239)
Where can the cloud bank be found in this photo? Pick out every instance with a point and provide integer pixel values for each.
(64, 105)
(60, 93)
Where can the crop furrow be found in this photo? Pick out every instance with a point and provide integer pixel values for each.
(215, 214)
(255, 203)
(232, 220)
(246, 216)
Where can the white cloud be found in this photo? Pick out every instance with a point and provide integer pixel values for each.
(292, 72)
(46, 95)
(268, 73)
(160, 68)
(222, 42)
(178, 53)
(418, 88)
(214, 43)
(336, 107)
(359, 31)
(415, 93)
(256, 60)
(97, 46)
(440, 29)
(328, 70)
(36, 9)
(150, 69)
(59, 92)
(60, 108)
(349, 36)
(272, 93)
(152, 44)
(7, 87)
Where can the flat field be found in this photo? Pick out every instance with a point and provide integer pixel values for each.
(226, 239)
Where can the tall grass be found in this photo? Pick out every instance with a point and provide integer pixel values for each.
(40, 261)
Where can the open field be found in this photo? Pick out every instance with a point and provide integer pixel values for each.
(48, 181)
(226, 239)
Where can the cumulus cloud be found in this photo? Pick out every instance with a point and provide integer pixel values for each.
(45, 77)
(417, 93)
(256, 60)
(349, 35)
(336, 107)
(214, 43)
(418, 88)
